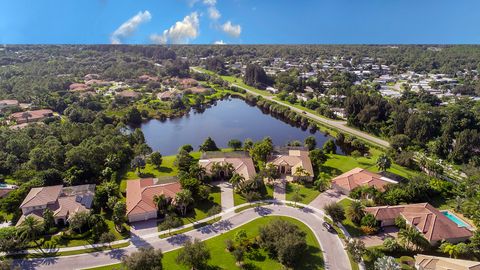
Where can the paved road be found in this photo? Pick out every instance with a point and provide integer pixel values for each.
(341, 125)
(334, 253)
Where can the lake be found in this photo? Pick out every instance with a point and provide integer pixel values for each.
(227, 119)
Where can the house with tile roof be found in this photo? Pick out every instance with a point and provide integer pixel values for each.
(427, 262)
(31, 116)
(348, 181)
(293, 164)
(433, 224)
(8, 103)
(63, 201)
(140, 196)
(241, 162)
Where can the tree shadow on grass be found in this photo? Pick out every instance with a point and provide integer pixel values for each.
(165, 169)
(330, 170)
(311, 259)
(250, 266)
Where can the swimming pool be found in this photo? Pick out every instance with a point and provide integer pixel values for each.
(455, 219)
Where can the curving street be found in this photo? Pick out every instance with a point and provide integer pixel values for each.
(334, 254)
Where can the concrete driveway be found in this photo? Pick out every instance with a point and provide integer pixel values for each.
(279, 189)
(327, 197)
(141, 228)
(226, 194)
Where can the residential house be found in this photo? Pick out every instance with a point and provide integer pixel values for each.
(128, 94)
(140, 197)
(433, 224)
(357, 177)
(5, 189)
(293, 164)
(31, 116)
(8, 103)
(63, 201)
(187, 83)
(91, 76)
(427, 262)
(166, 95)
(241, 162)
(199, 89)
(78, 87)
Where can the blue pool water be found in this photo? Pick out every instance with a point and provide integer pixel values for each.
(455, 219)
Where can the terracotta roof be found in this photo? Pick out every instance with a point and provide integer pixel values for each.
(129, 94)
(434, 225)
(4, 192)
(427, 262)
(34, 115)
(166, 95)
(361, 177)
(78, 87)
(9, 102)
(188, 82)
(295, 158)
(98, 82)
(42, 196)
(242, 165)
(146, 78)
(140, 193)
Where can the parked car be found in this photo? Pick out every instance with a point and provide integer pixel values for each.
(328, 227)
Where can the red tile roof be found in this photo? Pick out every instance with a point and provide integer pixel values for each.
(434, 225)
(140, 193)
(361, 177)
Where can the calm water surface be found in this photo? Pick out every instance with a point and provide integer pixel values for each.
(228, 119)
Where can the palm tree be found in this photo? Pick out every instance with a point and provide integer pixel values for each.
(197, 171)
(453, 250)
(301, 172)
(235, 180)
(384, 162)
(228, 169)
(215, 169)
(162, 202)
(183, 199)
(30, 229)
(356, 211)
(411, 238)
(271, 172)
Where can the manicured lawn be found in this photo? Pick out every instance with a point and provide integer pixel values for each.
(308, 194)
(166, 169)
(79, 239)
(338, 164)
(351, 227)
(238, 81)
(312, 259)
(239, 199)
(201, 208)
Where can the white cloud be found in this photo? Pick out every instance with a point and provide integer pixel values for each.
(179, 33)
(130, 26)
(210, 2)
(219, 42)
(213, 13)
(232, 29)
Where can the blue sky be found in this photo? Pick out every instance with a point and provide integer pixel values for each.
(239, 21)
